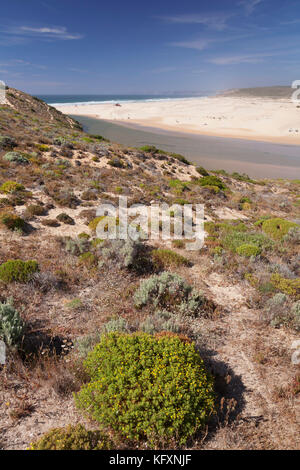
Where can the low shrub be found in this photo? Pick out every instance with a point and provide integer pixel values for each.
(212, 180)
(161, 320)
(42, 147)
(277, 228)
(293, 236)
(287, 286)
(143, 387)
(178, 244)
(248, 250)
(65, 219)
(129, 254)
(7, 142)
(88, 259)
(168, 291)
(233, 240)
(11, 187)
(72, 438)
(280, 312)
(67, 199)
(12, 221)
(75, 246)
(89, 195)
(50, 223)
(163, 258)
(202, 171)
(11, 324)
(35, 210)
(111, 221)
(17, 270)
(16, 157)
(116, 162)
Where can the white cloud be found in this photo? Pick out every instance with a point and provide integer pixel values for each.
(249, 5)
(21, 33)
(216, 21)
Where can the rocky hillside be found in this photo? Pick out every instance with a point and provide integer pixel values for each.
(62, 288)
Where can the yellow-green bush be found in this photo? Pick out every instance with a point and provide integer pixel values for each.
(248, 250)
(11, 187)
(72, 438)
(144, 387)
(164, 258)
(110, 220)
(277, 228)
(287, 286)
(17, 270)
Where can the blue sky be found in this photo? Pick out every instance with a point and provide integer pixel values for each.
(94, 46)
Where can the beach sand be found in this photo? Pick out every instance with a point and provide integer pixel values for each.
(244, 117)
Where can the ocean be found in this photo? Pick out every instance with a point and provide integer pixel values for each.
(97, 99)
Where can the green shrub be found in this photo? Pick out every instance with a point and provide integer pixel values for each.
(293, 236)
(178, 243)
(65, 219)
(11, 187)
(7, 142)
(143, 387)
(287, 286)
(116, 162)
(202, 171)
(12, 221)
(279, 312)
(149, 149)
(42, 147)
(84, 235)
(178, 186)
(295, 313)
(130, 254)
(88, 259)
(11, 324)
(72, 438)
(161, 320)
(277, 228)
(16, 157)
(170, 292)
(248, 250)
(233, 240)
(35, 210)
(163, 258)
(212, 180)
(17, 270)
(76, 246)
(93, 224)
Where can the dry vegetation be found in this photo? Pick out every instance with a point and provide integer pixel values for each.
(248, 273)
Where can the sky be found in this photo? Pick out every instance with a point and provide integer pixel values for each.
(141, 47)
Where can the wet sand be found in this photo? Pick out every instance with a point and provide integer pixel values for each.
(257, 159)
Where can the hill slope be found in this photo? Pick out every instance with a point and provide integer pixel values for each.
(53, 176)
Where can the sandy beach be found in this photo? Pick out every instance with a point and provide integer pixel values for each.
(252, 118)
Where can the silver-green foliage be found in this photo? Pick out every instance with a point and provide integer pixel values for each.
(11, 324)
(169, 292)
(16, 157)
(280, 312)
(162, 320)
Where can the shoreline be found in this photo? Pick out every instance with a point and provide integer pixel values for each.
(257, 159)
(144, 126)
(253, 119)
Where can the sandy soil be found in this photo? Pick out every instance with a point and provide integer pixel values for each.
(266, 119)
